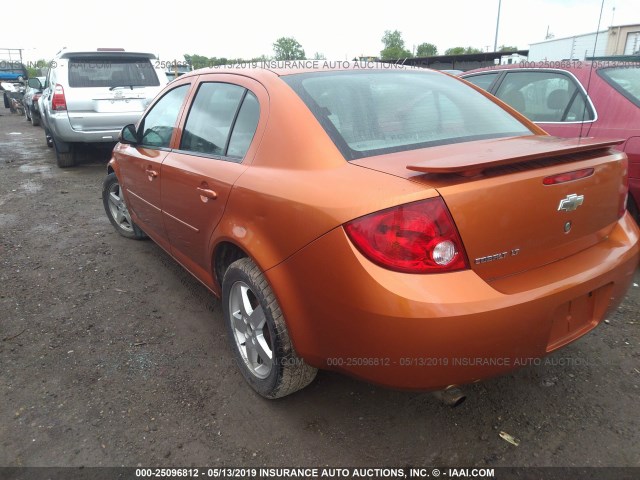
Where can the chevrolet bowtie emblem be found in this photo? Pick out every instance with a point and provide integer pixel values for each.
(571, 202)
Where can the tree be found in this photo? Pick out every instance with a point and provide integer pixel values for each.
(288, 48)
(426, 50)
(393, 46)
(504, 48)
(462, 51)
(197, 61)
(319, 56)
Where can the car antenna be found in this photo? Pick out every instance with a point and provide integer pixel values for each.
(584, 112)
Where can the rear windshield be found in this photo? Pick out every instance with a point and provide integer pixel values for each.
(372, 112)
(625, 79)
(112, 72)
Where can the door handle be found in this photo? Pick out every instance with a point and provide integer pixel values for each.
(207, 193)
(151, 173)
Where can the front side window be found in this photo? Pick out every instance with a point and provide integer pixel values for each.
(545, 96)
(157, 126)
(221, 122)
(111, 72)
(371, 113)
(625, 80)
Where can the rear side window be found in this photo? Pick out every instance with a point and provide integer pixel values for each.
(221, 122)
(483, 81)
(370, 113)
(545, 96)
(625, 80)
(112, 72)
(245, 127)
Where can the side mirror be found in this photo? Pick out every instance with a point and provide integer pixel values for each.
(34, 83)
(128, 135)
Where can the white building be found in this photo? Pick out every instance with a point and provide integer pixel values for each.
(570, 48)
(619, 40)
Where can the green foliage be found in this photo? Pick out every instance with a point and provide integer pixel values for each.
(37, 69)
(504, 48)
(319, 56)
(462, 51)
(393, 46)
(288, 48)
(200, 61)
(426, 50)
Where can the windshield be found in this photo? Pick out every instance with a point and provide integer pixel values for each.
(112, 72)
(372, 112)
(624, 79)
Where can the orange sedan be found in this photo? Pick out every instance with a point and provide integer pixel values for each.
(397, 225)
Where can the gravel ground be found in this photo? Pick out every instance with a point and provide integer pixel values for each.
(112, 355)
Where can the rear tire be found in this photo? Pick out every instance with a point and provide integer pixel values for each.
(65, 159)
(258, 333)
(35, 120)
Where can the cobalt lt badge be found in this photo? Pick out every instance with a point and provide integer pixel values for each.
(570, 203)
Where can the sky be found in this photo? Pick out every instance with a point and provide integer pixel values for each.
(338, 29)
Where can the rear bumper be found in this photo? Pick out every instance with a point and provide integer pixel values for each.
(62, 129)
(431, 331)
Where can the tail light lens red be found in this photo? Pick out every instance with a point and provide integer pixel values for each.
(568, 176)
(417, 237)
(58, 101)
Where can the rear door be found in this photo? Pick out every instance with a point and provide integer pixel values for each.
(141, 164)
(214, 150)
(554, 99)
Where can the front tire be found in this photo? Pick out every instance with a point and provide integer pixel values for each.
(35, 120)
(117, 210)
(258, 333)
(48, 138)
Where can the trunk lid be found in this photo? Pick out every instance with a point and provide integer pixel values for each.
(509, 220)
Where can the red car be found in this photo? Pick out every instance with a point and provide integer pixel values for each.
(575, 98)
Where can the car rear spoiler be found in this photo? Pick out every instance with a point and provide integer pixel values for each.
(497, 153)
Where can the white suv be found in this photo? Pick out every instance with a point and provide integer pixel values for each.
(91, 94)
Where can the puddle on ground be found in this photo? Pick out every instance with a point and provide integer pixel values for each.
(32, 168)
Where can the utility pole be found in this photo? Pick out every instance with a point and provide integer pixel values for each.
(495, 43)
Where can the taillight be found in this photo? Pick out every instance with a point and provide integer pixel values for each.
(623, 191)
(417, 237)
(568, 176)
(58, 102)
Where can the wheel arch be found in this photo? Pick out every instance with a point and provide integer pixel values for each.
(224, 254)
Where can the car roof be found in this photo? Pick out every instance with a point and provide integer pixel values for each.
(106, 52)
(294, 67)
(569, 65)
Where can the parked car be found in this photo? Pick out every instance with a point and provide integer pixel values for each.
(30, 100)
(556, 99)
(395, 225)
(12, 77)
(91, 94)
